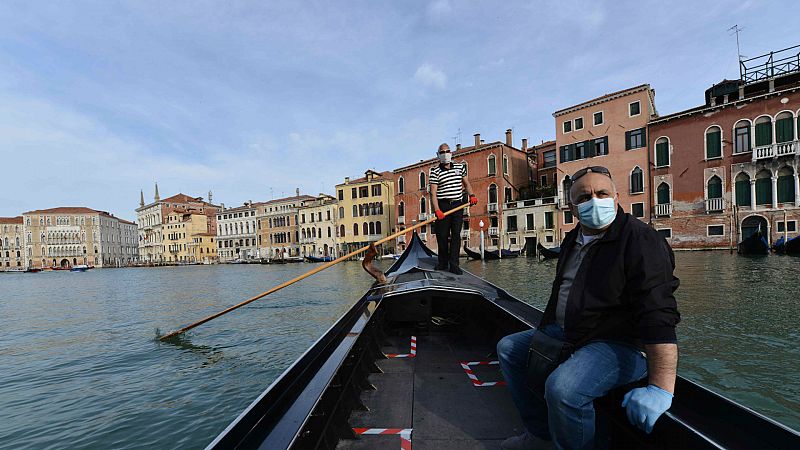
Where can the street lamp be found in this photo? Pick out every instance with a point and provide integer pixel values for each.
(481, 224)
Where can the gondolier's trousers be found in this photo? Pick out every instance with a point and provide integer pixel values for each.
(567, 414)
(448, 234)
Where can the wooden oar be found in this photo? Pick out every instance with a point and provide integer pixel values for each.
(309, 273)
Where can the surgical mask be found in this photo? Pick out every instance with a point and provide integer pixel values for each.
(597, 213)
(445, 158)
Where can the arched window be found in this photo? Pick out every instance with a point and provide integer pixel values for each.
(505, 165)
(314, 232)
(365, 228)
(355, 229)
(715, 187)
(401, 209)
(786, 185)
(763, 188)
(372, 228)
(378, 228)
(763, 131)
(784, 128)
(303, 233)
(713, 142)
(743, 142)
(566, 186)
(492, 166)
(663, 194)
(493, 193)
(637, 181)
(423, 206)
(341, 231)
(401, 185)
(662, 152)
(422, 184)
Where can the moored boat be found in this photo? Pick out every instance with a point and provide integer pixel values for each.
(755, 244)
(548, 253)
(490, 255)
(792, 246)
(411, 361)
(79, 268)
(319, 259)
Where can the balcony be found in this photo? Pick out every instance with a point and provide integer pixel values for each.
(423, 217)
(401, 239)
(715, 205)
(464, 234)
(492, 207)
(494, 231)
(790, 148)
(401, 220)
(664, 210)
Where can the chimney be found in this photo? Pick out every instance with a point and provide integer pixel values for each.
(458, 147)
(509, 140)
(297, 192)
(346, 180)
(524, 145)
(209, 197)
(477, 140)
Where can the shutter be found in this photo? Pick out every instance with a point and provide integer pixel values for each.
(763, 191)
(662, 154)
(715, 188)
(663, 194)
(786, 188)
(563, 151)
(743, 193)
(627, 140)
(713, 147)
(589, 148)
(763, 134)
(784, 130)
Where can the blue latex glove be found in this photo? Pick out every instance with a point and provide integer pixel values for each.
(645, 405)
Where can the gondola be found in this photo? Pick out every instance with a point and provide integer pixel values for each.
(490, 255)
(319, 259)
(755, 244)
(793, 246)
(412, 361)
(548, 253)
(779, 246)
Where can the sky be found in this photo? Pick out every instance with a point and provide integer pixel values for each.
(253, 99)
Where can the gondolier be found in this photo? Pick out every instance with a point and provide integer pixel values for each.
(448, 181)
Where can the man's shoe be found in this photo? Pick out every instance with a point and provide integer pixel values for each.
(440, 267)
(456, 271)
(526, 441)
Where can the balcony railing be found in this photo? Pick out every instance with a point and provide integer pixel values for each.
(423, 217)
(664, 210)
(715, 205)
(790, 148)
(494, 231)
(464, 234)
(491, 207)
(401, 220)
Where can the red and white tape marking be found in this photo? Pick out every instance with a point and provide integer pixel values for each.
(405, 434)
(475, 381)
(406, 355)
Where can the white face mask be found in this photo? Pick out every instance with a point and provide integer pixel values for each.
(445, 158)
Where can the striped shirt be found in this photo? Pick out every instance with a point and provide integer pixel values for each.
(449, 181)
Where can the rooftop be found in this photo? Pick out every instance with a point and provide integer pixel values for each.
(68, 210)
(604, 98)
(11, 220)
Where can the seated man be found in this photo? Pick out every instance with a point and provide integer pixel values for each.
(613, 270)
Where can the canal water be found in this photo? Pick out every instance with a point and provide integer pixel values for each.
(80, 366)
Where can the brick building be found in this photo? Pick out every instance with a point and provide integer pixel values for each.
(545, 172)
(609, 131)
(278, 230)
(726, 168)
(498, 173)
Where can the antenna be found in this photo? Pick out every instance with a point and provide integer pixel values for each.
(736, 29)
(457, 138)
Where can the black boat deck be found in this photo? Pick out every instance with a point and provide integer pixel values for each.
(432, 395)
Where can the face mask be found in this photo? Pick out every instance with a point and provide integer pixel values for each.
(597, 213)
(445, 158)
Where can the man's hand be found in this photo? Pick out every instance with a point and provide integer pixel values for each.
(473, 200)
(439, 214)
(645, 405)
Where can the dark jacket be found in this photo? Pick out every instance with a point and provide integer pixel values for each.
(624, 286)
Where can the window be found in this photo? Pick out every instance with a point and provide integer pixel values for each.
(715, 230)
(567, 126)
(507, 195)
(715, 187)
(363, 191)
(355, 229)
(566, 185)
(637, 181)
(597, 118)
(662, 152)
(341, 231)
(666, 233)
(763, 131)
(549, 159)
(422, 183)
(637, 209)
(742, 186)
(341, 212)
(505, 165)
(493, 193)
(401, 186)
(568, 219)
(634, 109)
(784, 128)
(529, 221)
(371, 228)
(548, 220)
(423, 206)
(376, 190)
(401, 209)
(544, 180)
(511, 223)
(741, 133)
(662, 194)
(601, 146)
(763, 188)
(579, 123)
(492, 166)
(713, 143)
(355, 211)
(789, 227)
(634, 139)
(785, 185)
(353, 193)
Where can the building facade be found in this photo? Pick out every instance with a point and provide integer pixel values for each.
(728, 168)
(545, 171)
(366, 211)
(498, 173)
(12, 244)
(609, 131)
(69, 236)
(278, 230)
(152, 216)
(237, 232)
(187, 239)
(531, 222)
(318, 227)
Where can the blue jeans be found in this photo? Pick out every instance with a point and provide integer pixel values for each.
(566, 414)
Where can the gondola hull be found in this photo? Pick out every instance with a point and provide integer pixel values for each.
(548, 253)
(755, 244)
(792, 246)
(399, 362)
(490, 255)
(319, 259)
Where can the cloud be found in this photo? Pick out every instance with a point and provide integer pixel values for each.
(430, 76)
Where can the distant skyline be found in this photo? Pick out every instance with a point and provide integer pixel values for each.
(252, 99)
